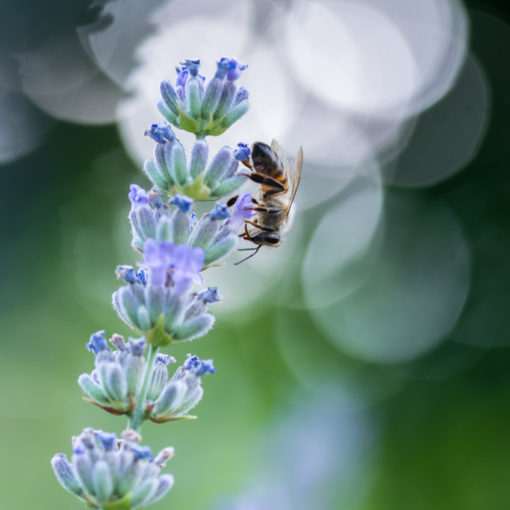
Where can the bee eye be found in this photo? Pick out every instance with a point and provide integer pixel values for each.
(272, 239)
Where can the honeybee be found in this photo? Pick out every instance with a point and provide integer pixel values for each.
(270, 169)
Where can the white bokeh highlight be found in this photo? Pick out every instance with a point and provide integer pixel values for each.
(337, 55)
(60, 79)
(22, 127)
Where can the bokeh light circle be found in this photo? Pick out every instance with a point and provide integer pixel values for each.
(448, 135)
(341, 252)
(63, 82)
(413, 295)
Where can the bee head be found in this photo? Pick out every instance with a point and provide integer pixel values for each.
(266, 239)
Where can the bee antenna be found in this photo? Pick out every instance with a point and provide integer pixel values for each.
(249, 256)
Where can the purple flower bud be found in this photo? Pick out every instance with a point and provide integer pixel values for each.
(114, 380)
(235, 69)
(165, 359)
(165, 483)
(158, 376)
(160, 133)
(225, 101)
(141, 276)
(192, 66)
(198, 161)
(243, 210)
(137, 346)
(185, 263)
(207, 367)
(183, 202)
(127, 273)
(242, 95)
(140, 452)
(169, 97)
(107, 439)
(223, 66)
(242, 152)
(156, 262)
(219, 167)
(131, 435)
(199, 367)
(118, 342)
(79, 449)
(234, 114)
(163, 456)
(92, 387)
(64, 473)
(209, 295)
(155, 199)
(102, 481)
(138, 195)
(170, 398)
(220, 212)
(97, 342)
(182, 76)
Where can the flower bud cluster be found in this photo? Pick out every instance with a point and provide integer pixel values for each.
(171, 172)
(173, 400)
(216, 233)
(204, 108)
(116, 380)
(160, 302)
(113, 474)
(115, 383)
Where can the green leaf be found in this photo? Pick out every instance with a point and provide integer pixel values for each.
(186, 122)
(121, 504)
(157, 336)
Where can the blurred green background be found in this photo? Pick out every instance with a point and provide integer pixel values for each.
(395, 394)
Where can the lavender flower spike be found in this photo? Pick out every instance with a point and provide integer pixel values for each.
(204, 108)
(162, 297)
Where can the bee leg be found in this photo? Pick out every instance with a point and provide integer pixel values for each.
(246, 163)
(260, 227)
(246, 231)
(269, 210)
(273, 191)
(232, 201)
(256, 250)
(268, 181)
(246, 235)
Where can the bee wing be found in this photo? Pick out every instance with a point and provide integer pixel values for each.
(277, 148)
(291, 168)
(295, 176)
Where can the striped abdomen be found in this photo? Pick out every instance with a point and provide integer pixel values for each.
(266, 162)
